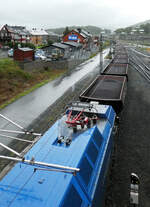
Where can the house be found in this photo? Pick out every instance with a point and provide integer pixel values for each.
(4, 34)
(38, 36)
(14, 34)
(78, 35)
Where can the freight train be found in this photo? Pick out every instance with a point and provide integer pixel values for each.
(68, 165)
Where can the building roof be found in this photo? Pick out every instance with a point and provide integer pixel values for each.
(86, 33)
(73, 44)
(25, 49)
(60, 45)
(38, 32)
(21, 30)
(1, 26)
(53, 34)
(83, 33)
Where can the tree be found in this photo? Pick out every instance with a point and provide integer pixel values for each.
(146, 28)
(119, 31)
(50, 42)
(66, 31)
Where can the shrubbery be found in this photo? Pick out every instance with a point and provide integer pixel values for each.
(10, 69)
(15, 45)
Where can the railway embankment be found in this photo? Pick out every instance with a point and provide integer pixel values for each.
(132, 145)
(16, 82)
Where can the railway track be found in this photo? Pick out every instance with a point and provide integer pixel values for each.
(139, 64)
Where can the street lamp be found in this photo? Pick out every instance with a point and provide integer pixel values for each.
(100, 50)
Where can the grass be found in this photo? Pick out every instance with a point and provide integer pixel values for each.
(10, 69)
(16, 83)
(38, 85)
(93, 55)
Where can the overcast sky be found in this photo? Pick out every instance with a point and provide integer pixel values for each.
(60, 13)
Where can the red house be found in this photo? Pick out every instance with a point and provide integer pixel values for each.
(24, 54)
(76, 36)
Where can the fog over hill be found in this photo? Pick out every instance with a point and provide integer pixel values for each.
(141, 23)
(92, 29)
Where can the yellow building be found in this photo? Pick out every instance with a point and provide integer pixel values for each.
(38, 36)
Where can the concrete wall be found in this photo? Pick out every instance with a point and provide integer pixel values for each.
(42, 65)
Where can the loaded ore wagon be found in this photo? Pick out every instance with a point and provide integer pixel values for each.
(106, 89)
(116, 69)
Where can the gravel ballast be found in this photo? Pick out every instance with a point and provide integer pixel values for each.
(132, 145)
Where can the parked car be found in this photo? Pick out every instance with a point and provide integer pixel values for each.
(39, 54)
(11, 52)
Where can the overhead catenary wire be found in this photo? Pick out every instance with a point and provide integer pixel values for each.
(10, 149)
(15, 138)
(4, 117)
(25, 131)
(20, 132)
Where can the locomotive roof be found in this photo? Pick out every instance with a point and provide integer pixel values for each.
(23, 186)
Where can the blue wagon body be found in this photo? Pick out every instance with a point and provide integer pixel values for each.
(89, 151)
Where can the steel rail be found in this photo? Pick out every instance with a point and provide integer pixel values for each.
(143, 74)
(142, 62)
(140, 53)
(137, 61)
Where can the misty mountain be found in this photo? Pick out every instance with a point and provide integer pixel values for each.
(92, 29)
(141, 23)
(139, 28)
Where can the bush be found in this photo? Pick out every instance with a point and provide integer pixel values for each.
(15, 45)
(10, 44)
(106, 44)
(50, 42)
(30, 45)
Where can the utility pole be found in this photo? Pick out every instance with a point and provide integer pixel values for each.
(101, 54)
